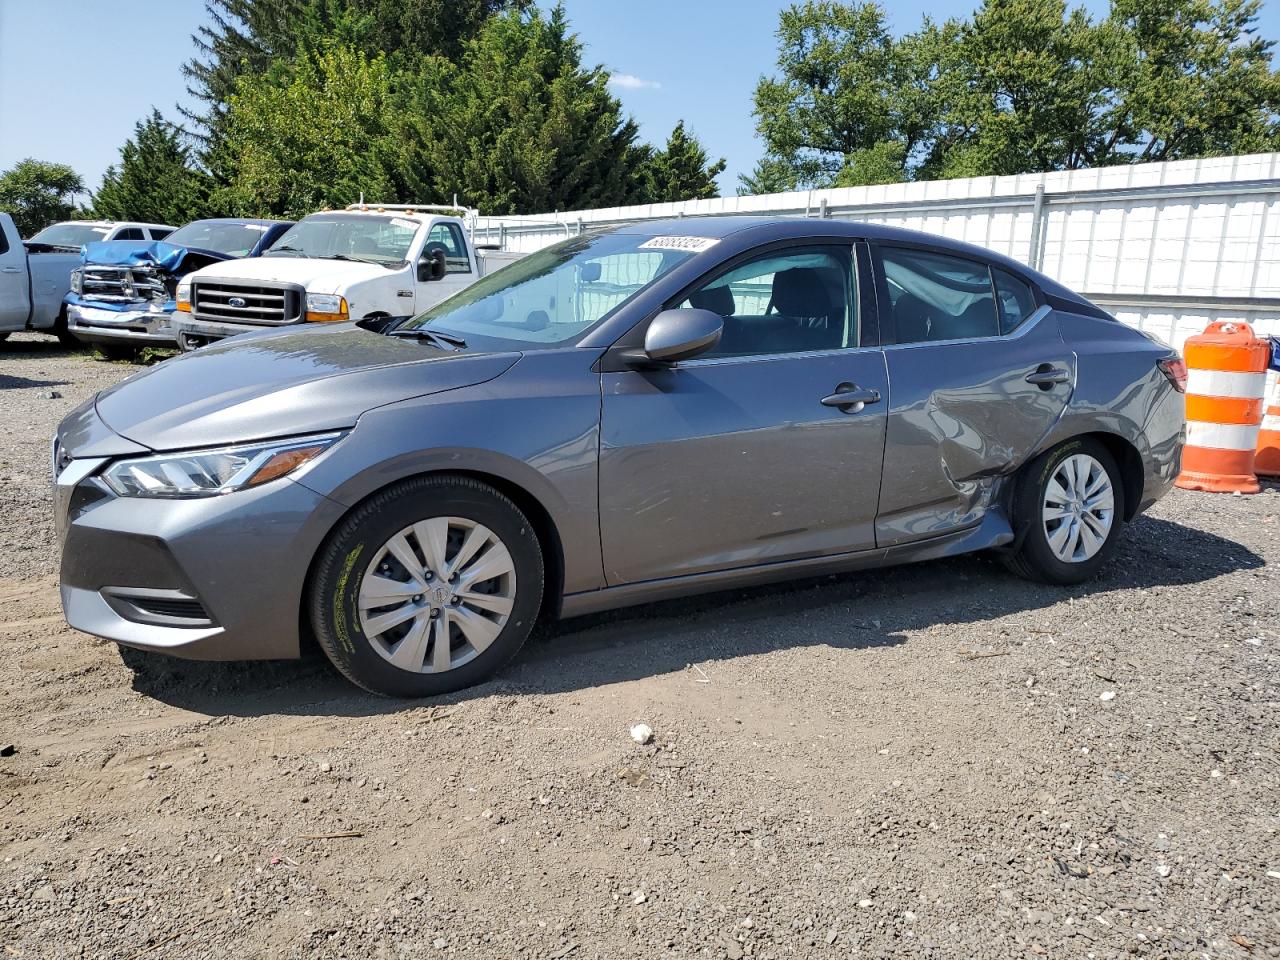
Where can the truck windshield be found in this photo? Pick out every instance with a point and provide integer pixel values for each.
(70, 234)
(550, 298)
(356, 236)
(233, 239)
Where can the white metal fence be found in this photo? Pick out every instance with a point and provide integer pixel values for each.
(1166, 247)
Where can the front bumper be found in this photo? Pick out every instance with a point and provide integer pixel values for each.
(99, 325)
(218, 578)
(192, 333)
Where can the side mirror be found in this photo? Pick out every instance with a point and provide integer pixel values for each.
(680, 335)
(432, 265)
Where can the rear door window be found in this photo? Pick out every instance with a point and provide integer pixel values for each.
(159, 233)
(1015, 299)
(129, 233)
(935, 296)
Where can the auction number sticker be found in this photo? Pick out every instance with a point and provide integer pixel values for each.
(687, 244)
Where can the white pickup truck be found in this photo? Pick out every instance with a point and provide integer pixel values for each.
(367, 261)
(36, 275)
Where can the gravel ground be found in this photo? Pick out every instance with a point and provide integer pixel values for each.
(930, 761)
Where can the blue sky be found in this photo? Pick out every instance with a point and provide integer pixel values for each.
(75, 75)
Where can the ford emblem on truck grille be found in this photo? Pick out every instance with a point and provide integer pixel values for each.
(236, 302)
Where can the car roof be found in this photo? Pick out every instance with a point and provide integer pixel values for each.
(768, 229)
(255, 221)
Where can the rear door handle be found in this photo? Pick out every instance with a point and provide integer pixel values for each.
(851, 398)
(1046, 376)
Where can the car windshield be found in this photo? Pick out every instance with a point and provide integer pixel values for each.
(70, 234)
(233, 239)
(348, 236)
(550, 298)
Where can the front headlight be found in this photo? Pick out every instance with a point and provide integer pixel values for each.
(326, 308)
(210, 473)
(182, 296)
(77, 282)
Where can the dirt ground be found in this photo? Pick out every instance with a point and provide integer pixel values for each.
(931, 761)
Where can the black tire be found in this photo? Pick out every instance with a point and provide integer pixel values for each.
(1034, 559)
(119, 351)
(335, 582)
(4, 335)
(64, 335)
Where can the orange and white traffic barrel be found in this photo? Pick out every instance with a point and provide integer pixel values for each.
(1226, 382)
(1267, 461)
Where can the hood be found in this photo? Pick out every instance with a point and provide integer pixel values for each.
(137, 253)
(283, 383)
(317, 276)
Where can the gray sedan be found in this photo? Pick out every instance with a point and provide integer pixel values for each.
(645, 412)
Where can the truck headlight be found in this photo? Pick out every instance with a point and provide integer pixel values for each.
(182, 296)
(77, 282)
(211, 473)
(326, 308)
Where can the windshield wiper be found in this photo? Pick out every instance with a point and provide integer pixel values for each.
(446, 340)
(284, 249)
(343, 256)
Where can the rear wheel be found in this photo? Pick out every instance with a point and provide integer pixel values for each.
(1068, 511)
(430, 586)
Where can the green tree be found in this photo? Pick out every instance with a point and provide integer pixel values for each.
(156, 182)
(310, 133)
(244, 38)
(1024, 86)
(521, 125)
(681, 171)
(37, 193)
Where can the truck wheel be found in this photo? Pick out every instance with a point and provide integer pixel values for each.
(1068, 510)
(428, 587)
(4, 335)
(119, 351)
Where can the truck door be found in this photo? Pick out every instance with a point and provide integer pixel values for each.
(15, 293)
(459, 271)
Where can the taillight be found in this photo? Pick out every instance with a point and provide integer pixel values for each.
(1175, 368)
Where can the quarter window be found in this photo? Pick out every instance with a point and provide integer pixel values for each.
(938, 297)
(447, 237)
(784, 302)
(1014, 298)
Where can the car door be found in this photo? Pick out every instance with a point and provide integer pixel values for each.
(458, 271)
(15, 293)
(978, 373)
(768, 447)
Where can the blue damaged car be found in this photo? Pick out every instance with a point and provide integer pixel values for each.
(122, 295)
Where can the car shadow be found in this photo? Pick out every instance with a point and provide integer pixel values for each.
(10, 382)
(858, 612)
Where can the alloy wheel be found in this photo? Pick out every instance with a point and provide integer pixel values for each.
(437, 594)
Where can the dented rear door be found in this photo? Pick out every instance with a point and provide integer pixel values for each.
(963, 412)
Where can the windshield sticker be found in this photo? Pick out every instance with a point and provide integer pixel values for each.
(687, 244)
(404, 224)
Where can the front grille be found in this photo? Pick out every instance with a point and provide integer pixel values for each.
(121, 283)
(233, 301)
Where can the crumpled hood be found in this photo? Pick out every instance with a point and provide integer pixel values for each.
(283, 383)
(317, 276)
(133, 253)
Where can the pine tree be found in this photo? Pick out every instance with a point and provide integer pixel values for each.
(681, 171)
(156, 181)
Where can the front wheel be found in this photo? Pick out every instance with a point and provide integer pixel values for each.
(1068, 510)
(428, 587)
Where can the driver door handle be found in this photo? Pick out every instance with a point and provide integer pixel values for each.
(1046, 376)
(851, 398)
